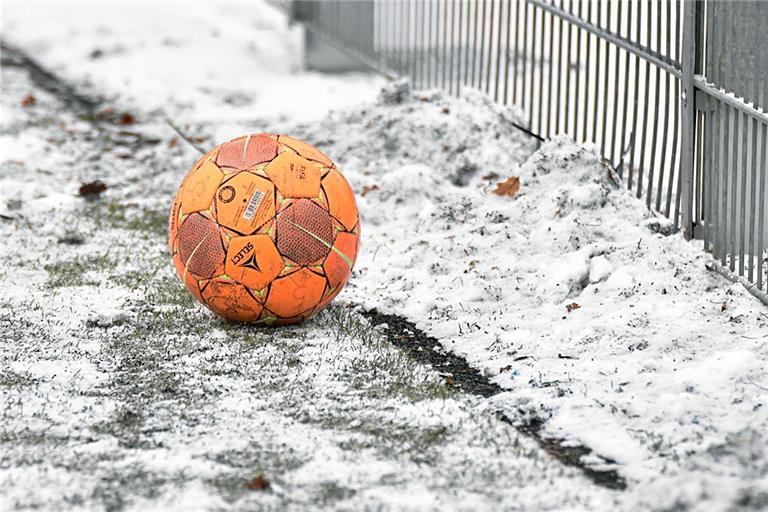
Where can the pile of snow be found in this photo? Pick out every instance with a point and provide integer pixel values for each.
(571, 295)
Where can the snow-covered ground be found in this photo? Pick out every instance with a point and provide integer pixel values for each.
(570, 295)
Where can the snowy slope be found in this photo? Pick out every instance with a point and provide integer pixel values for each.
(571, 295)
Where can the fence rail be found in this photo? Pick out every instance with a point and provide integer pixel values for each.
(673, 93)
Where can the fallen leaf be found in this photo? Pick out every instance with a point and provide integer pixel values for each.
(368, 188)
(505, 368)
(28, 101)
(126, 119)
(508, 187)
(92, 189)
(173, 142)
(257, 483)
(572, 307)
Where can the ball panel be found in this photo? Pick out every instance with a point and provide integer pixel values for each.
(338, 265)
(304, 232)
(210, 155)
(253, 261)
(200, 246)
(305, 150)
(341, 199)
(245, 202)
(294, 176)
(245, 152)
(231, 300)
(173, 222)
(199, 188)
(295, 293)
(330, 295)
(188, 278)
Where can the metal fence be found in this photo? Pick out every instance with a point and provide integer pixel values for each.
(673, 93)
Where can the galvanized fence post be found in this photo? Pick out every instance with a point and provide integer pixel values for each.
(688, 117)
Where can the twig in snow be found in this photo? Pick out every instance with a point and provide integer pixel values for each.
(756, 384)
(183, 136)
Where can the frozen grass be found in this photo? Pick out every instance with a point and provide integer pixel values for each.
(661, 367)
(119, 391)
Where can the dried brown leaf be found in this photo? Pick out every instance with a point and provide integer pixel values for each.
(92, 189)
(126, 119)
(509, 187)
(257, 483)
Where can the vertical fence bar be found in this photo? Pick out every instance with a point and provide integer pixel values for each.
(750, 243)
(540, 68)
(606, 80)
(735, 135)
(507, 51)
(655, 127)
(569, 44)
(663, 164)
(451, 76)
(725, 159)
(498, 51)
(525, 55)
(531, 94)
(578, 76)
(479, 78)
(490, 49)
(673, 185)
(616, 66)
(515, 59)
(476, 19)
(743, 166)
(596, 111)
(623, 143)
(714, 143)
(645, 124)
(444, 51)
(762, 267)
(635, 124)
(688, 118)
(559, 79)
(550, 53)
(458, 49)
(587, 65)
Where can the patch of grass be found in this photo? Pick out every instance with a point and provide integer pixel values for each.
(331, 493)
(12, 379)
(392, 439)
(111, 214)
(121, 486)
(73, 272)
(380, 370)
(265, 458)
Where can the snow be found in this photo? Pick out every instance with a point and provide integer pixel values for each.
(574, 298)
(654, 366)
(245, 59)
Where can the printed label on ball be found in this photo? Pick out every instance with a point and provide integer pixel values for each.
(253, 205)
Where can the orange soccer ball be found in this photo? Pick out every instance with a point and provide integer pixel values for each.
(264, 228)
